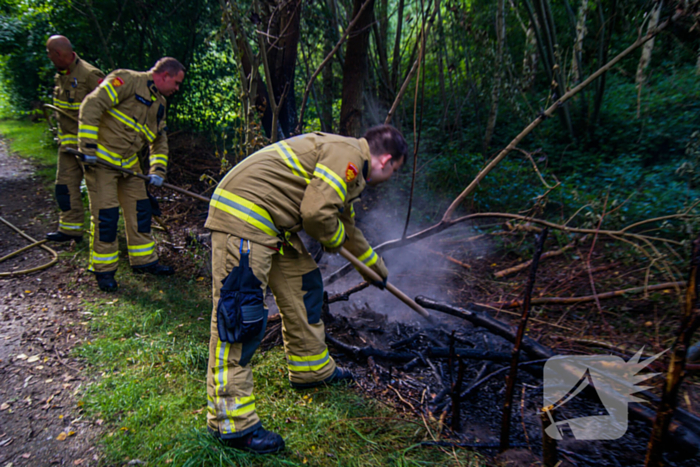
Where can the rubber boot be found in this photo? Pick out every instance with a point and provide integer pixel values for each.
(61, 237)
(106, 281)
(156, 269)
(259, 441)
(340, 375)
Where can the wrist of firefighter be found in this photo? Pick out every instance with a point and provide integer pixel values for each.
(380, 268)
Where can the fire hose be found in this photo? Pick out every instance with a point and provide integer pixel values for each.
(366, 271)
(39, 243)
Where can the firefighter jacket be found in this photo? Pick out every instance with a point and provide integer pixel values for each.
(307, 182)
(71, 87)
(123, 115)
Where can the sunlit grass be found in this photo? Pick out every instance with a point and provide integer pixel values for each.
(32, 141)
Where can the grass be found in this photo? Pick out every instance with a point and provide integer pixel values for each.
(147, 359)
(32, 141)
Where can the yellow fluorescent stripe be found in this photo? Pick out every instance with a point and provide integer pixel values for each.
(366, 254)
(244, 210)
(88, 127)
(291, 159)
(241, 411)
(338, 237)
(309, 358)
(333, 180)
(113, 96)
(307, 368)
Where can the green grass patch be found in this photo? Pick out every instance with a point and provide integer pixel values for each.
(32, 141)
(149, 359)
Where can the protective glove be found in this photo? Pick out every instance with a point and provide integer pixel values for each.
(88, 159)
(156, 180)
(380, 268)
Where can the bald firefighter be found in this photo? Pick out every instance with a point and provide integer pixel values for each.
(75, 79)
(122, 116)
(307, 182)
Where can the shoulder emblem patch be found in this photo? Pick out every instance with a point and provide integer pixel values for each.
(100, 81)
(116, 82)
(351, 172)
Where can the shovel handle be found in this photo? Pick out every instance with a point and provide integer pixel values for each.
(390, 287)
(144, 177)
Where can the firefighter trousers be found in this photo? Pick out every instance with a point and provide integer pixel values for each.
(108, 189)
(298, 290)
(68, 177)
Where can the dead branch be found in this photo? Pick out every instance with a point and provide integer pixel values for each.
(451, 259)
(589, 298)
(690, 321)
(513, 374)
(526, 264)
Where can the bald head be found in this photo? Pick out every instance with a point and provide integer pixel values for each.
(60, 51)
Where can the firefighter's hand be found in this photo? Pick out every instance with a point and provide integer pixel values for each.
(380, 268)
(330, 250)
(155, 180)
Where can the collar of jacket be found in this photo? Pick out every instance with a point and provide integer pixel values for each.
(366, 157)
(152, 85)
(71, 67)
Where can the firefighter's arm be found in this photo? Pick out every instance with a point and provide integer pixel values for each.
(107, 95)
(158, 158)
(359, 247)
(320, 215)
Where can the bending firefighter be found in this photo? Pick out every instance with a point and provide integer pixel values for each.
(75, 79)
(307, 182)
(123, 115)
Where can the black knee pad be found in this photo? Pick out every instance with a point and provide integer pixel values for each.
(108, 224)
(143, 215)
(312, 284)
(63, 197)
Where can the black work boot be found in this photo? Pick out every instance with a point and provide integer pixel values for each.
(259, 441)
(106, 281)
(155, 269)
(340, 375)
(61, 237)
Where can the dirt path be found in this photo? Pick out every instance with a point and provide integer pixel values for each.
(40, 323)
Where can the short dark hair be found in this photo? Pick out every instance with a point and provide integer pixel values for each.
(168, 65)
(385, 139)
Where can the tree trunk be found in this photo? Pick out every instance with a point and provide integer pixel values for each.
(282, 20)
(646, 54)
(355, 72)
(581, 31)
(496, 89)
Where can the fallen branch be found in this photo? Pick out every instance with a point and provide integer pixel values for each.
(363, 353)
(451, 259)
(588, 298)
(526, 264)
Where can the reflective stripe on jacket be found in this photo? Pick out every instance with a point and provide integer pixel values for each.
(124, 114)
(71, 87)
(308, 181)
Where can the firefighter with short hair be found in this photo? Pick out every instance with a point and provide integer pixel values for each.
(122, 116)
(75, 78)
(308, 182)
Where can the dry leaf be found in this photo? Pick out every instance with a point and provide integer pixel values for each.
(4, 406)
(62, 436)
(21, 357)
(78, 461)
(33, 358)
(26, 455)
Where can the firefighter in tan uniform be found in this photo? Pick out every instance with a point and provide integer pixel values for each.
(75, 79)
(123, 115)
(307, 182)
